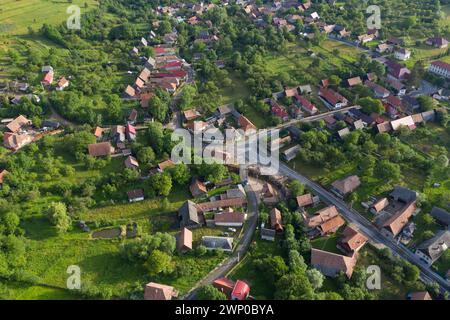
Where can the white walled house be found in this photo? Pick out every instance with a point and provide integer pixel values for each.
(440, 68)
(402, 54)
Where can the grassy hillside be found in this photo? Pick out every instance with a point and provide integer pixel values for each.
(17, 15)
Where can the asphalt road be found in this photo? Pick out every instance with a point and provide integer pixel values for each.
(366, 227)
(241, 248)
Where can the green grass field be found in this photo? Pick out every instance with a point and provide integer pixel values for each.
(17, 15)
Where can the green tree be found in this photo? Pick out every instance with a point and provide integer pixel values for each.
(426, 103)
(294, 287)
(316, 278)
(158, 108)
(146, 155)
(161, 183)
(159, 262)
(179, 173)
(57, 214)
(388, 171)
(296, 188)
(209, 292)
(370, 105)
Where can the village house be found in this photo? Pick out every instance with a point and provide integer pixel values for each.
(238, 290)
(134, 52)
(184, 240)
(100, 149)
(379, 205)
(397, 71)
(190, 115)
(189, 216)
(245, 124)
(354, 81)
(156, 291)
(130, 132)
(432, 249)
(131, 163)
(229, 219)
(394, 224)
(419, 295)
(331, 264)
(268, 234)
(117, 133)
(276, 220)
(343, 132)
(15, 141)
(269, 194)
(197, 188)
(238, 192)
(379, 91)
(135, 195)
(441, 216)
(402, 54)
(47, 80)
(133, 116)
(320, 217)
(218, 243)
(62, 84)
(351, 241)
(130, 92)
(437, 42)
(407, 122)
(365, 38)
(383, 48)
(344, 186)
(306, 105)
(332, 99)
(18, 124)
(410, 104)
(164, 165)
(440, 68)
(290, 153)
(331, 226)
(279, 111)
(305, 200)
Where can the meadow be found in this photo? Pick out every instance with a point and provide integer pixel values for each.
(16, 17)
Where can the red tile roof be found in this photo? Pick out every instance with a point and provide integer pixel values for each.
(275, 219)
(396, 223)
(331, 96)
(442, 65)
(156, 291)
(332, 225)
(241, 290)
(229, 217)
(18, 123)
(246, 124)
(185, 239)
(352, 240)
(305, 200)
(100, 149)
(331, 263)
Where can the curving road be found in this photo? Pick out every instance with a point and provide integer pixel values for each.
(241, 249)
(366, 227)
